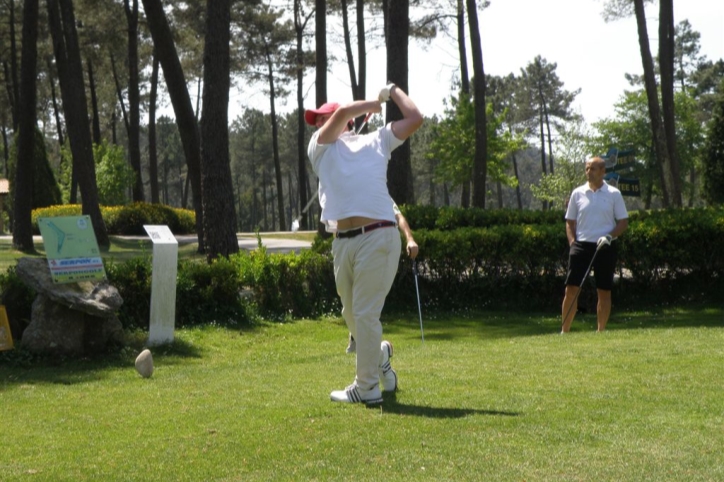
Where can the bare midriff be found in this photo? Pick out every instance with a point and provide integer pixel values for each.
(353, 222)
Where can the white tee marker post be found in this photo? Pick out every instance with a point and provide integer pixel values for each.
(163, 285)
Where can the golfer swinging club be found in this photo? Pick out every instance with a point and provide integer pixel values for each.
(352, 172)
(595, 217)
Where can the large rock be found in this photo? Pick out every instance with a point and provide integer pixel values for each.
(96, 298)
(69, 318)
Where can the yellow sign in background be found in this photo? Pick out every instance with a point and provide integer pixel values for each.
(6, 337)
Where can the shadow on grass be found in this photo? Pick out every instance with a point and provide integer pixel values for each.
(446, 327)
(18, 367)
(391, 405)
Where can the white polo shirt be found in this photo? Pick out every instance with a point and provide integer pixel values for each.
(595, 212)
(352, 174)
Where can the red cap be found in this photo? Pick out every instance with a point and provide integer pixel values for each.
(310, 115)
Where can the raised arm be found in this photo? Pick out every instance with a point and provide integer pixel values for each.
(411, 117)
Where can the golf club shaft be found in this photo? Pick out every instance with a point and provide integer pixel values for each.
(306, 207)
(364, 122)
(580, 287)
(419, 307)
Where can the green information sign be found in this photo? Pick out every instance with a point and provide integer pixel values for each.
(71, 249)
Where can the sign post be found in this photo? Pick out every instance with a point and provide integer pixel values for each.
(621, 161)
(163, 285)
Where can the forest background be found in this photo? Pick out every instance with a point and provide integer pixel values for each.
(104, 74)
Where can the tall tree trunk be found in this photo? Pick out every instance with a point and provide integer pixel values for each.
(361, 51)
(348, 51)
(542, 150)
(517, 186)
(119, 93)
(320, 43)
(96, 124)
(6, 146)
(275, 144)
(465, 194)
(54, 98)
(13, 77)
(22, 207)
(152, 154)
(480, 163)
(299, 24)
(652, 96)
(320, 40)
(9, 92)
(134, 99)
(462, 51)
(464, 85)
(399, 170)
(73, 198)
(550, 139)
(181, 101)
(217, 190)
(666, 66)
(70, 74)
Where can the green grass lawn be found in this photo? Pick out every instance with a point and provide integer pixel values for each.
(488, 396)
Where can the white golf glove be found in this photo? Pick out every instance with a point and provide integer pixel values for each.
(604, 241)
(385, 92)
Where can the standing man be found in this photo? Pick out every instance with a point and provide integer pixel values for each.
(352, 172)
(595, 217)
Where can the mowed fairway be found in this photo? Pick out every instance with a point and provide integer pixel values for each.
(488, 396)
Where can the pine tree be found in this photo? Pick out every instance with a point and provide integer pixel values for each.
(714, 154)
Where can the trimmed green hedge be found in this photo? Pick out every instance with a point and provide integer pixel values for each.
(666, 256)
(450, 218)
(128, 219)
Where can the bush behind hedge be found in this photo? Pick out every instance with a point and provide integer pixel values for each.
(128, 219)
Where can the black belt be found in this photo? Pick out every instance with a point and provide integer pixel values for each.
(364, 229)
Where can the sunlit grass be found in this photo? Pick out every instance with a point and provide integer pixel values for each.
(487, 396)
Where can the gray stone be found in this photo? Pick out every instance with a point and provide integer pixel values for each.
(97, 298)
(70, 318)
(144, 363)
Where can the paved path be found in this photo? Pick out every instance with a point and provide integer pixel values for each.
(246, 241)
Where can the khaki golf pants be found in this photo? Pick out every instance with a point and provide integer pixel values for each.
(364, 269)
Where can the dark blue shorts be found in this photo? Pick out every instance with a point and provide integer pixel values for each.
(603, 267)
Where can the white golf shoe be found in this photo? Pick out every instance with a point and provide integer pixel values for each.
(388, 376)
(354, 394)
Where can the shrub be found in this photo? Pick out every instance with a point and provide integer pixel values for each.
(289, 285)
(210, 293)
(128, 219)
(132, 279)
(204, 293)
(114, 176)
